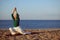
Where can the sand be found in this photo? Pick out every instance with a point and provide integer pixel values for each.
(36, 34)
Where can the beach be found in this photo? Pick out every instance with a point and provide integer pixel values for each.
(36, 34)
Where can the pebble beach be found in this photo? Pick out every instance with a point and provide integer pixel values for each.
(36, 34)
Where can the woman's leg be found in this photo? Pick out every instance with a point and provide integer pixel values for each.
(19, 30)
(12, 32)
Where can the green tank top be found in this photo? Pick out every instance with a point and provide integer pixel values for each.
(16, 22)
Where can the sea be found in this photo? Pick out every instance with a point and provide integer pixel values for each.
(32, 24)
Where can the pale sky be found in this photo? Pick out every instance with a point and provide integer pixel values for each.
(31, 9)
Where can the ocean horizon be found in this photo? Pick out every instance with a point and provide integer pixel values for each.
(32, 24)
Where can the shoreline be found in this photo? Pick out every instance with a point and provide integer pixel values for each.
(35, 29)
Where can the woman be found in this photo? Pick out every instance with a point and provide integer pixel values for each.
(16, 19)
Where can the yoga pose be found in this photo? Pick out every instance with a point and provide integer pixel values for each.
(16, 19)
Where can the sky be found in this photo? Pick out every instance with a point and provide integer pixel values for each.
(31, 9)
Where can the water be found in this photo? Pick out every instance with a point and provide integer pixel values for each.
(32, 24)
